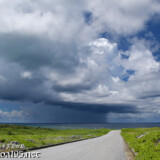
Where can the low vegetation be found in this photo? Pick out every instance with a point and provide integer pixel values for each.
(145, 142)
(36, 136)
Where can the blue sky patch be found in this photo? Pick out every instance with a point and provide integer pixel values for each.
(123, 44)
(106, 35)
(88, 17)
(128, 73)
(152, 33)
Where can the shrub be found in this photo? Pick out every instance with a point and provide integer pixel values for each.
(43, 143)
(9, 133)
(2, 140)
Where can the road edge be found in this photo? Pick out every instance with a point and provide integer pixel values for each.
(58, 144)
(128, 152)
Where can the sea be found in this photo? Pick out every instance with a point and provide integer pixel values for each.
(90, 126)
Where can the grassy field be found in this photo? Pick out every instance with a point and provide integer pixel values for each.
(36, 136)
(144, 141)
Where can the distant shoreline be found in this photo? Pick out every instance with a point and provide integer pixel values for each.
(89, 126)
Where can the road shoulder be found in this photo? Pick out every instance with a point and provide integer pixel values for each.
(129, 154)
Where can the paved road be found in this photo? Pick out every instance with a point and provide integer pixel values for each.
(107, 147)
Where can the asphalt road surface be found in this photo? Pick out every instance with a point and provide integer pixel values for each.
(107, 147)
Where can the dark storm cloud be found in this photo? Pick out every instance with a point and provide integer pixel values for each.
(34, 52)
(72, 88)
(23, 90)
(149, 95)
(97, 108)
(32, 90)
(58, 114)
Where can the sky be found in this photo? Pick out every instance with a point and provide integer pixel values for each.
(86, 61)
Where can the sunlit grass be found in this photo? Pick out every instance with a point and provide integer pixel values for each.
(36, 136)
(147, 146)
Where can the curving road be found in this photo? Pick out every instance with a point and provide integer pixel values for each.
(107, 147)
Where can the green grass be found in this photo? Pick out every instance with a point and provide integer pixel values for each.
(44, 136)
(146, 147)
